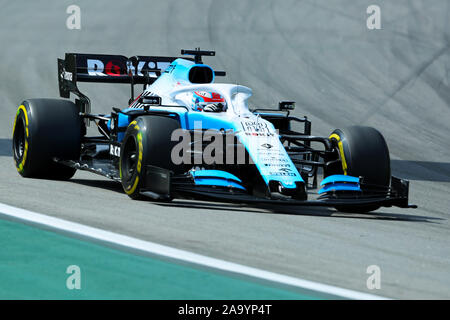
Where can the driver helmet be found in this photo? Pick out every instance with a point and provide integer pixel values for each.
(201, 99)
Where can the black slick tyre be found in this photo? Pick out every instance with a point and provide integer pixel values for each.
(147, 141)
(45, 129)
(364, 153)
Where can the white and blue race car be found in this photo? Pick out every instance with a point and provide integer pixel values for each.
(187, 136)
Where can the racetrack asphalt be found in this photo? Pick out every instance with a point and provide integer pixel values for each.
(318, 53)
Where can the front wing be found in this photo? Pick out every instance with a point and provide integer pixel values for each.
(160, 184)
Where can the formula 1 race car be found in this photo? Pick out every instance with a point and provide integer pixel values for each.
(187, 136)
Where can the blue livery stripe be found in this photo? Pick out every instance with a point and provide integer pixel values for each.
(339, 178)
(340, 187)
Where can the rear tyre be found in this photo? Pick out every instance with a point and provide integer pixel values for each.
(363, 152)
(147, 141)
(45, 129)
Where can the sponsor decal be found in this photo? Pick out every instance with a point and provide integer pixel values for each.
(278, 165)
(170, 68)
(282, 174)
(67, 75)
(97, 67)
(255, 126)
(114, 150)
(259, 134)
(113, 69)
(274, 160)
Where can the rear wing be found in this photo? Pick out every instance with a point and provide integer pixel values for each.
(80, 67)
(106, 68)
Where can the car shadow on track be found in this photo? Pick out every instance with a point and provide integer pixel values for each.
(375, 215)
(102, 184)
(5, 148)
(300, 211)
(199, 204)
(421, 170)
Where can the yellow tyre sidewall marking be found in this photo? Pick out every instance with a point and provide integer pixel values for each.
(341, 151)
(25, 152)
(132, 188)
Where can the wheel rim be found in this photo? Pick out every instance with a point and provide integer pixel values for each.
(129, 160)
(19, 140)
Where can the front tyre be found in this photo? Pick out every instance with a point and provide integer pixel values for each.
(147, 141)
(363, 152)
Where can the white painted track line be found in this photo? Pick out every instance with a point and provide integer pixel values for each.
(177, 254)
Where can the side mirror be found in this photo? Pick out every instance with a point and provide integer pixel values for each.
(148, 101)
(286, 105)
